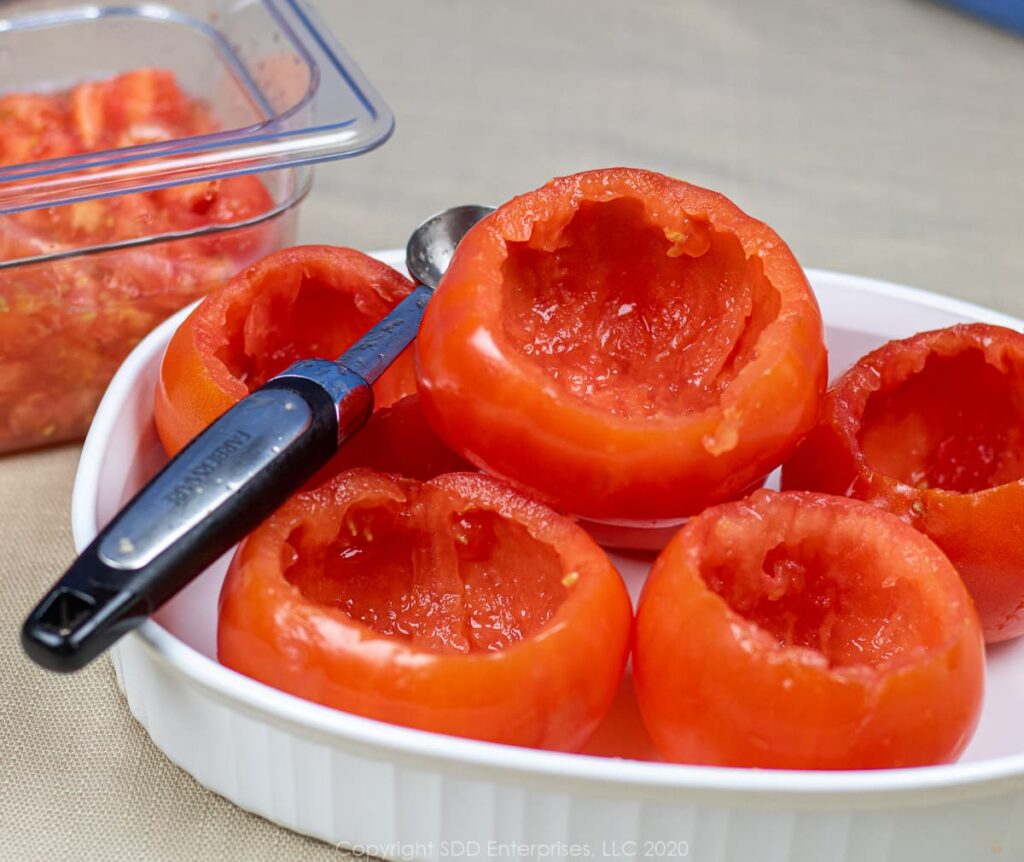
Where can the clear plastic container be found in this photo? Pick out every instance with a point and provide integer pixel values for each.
(147, 152)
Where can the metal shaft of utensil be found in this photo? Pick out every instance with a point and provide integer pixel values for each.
(374, 353)
(209, 496)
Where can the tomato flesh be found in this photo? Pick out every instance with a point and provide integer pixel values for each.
(806, 631)
(298, 303)
(809, 593)
(931, 428)
(309, 318)
(630, 317)
(456, 605)
(437, 578)
(955, 425)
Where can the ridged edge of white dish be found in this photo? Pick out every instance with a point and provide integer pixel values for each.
(396, 807)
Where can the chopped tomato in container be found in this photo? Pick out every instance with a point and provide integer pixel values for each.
(627, 345)
(298, 303)
(805, 631)
(457, 605)
(66, 322)
(932, 428)
(128, 191)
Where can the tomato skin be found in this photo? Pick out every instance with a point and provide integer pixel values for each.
(250, 329)
(397, 439)
(548, 690)
(502, 412)
(716, 686)
(982, 532)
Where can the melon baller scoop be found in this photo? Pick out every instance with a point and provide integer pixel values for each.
(232, 476)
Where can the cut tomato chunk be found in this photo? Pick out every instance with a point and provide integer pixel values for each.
(300, 303)
(805, 631)
(457, 606)
(33, 126)
(932, 429)
(139, 107)
(625, 344)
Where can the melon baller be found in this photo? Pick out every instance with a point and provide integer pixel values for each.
(232, 476)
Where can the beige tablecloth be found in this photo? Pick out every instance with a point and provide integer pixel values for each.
(883, 137)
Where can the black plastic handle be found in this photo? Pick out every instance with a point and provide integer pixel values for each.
(217, 489)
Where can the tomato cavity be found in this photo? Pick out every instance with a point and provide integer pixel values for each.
(637, 319)
(822, 589)
(956, 424)
(280, 326)
(445, 578)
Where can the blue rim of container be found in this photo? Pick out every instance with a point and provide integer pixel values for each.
(1008, 14)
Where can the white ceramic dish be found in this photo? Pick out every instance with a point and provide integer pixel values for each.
(402, 793)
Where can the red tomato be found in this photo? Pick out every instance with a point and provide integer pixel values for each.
(397, 439)
(457, 606)
(622, 733)
(803, 631)
(932, 429)
(626, 344)
(298, 303)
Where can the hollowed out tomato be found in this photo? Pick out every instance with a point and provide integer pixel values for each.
(805, 631)
(625, 344)
(932, 429)
(457, 605)
(299, 303)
